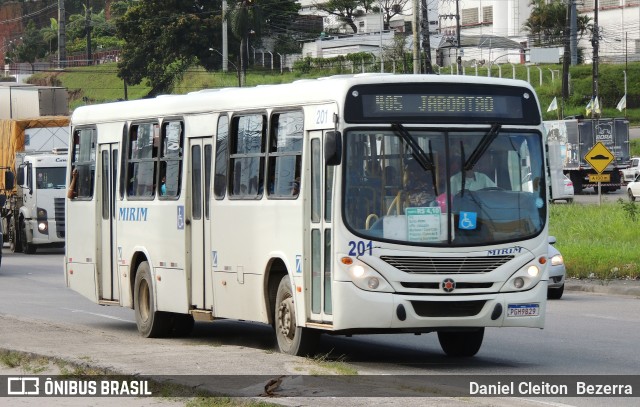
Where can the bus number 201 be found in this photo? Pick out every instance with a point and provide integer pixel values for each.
(360, 248)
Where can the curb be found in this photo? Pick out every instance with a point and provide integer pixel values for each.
(631, 287)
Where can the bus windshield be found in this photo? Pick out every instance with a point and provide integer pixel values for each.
(444, 187)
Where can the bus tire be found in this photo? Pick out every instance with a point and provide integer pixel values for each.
(461, 343)
(14, 238)
(181, 325)
(292, 339)
(151, 323)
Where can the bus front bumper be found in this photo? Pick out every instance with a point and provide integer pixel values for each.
(363, 310)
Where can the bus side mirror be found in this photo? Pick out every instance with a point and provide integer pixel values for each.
(332, 148)
(8, 181)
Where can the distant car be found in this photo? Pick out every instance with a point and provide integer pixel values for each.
(567, 192)
(633, 189)
(557, 272)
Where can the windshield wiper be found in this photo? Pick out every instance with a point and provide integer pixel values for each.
(423, 158)
(482, 147)
(418, 152)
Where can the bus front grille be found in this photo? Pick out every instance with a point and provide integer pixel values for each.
(58, 204)
(443, 309)
(446, 265)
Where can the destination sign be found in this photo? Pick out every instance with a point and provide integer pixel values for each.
(437, 103)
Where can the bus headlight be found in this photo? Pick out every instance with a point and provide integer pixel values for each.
(43, 226)
(524, 279)
(367, 279)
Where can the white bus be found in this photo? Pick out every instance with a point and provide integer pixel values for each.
(321, 206)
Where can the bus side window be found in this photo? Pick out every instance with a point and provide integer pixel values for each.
(222, 139)
(246, 159)
(143, 152)
(171, 159)
(285, 155)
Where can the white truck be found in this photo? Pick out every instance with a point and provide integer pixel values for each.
(35, 151)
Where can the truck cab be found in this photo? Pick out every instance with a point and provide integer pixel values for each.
(37, 209)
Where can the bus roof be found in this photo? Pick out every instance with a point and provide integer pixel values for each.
(307, 91)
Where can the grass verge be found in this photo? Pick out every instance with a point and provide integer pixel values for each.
(598, 241)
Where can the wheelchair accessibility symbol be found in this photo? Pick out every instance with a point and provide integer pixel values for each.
(467, 221)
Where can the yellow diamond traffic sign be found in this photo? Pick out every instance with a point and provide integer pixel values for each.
(599, 157)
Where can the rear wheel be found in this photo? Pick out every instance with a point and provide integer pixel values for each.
(14, 237)
(151, 323)
(292, 339)
(461, 343)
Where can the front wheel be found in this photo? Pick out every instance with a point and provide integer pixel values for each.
(631, 197)
(555, 293)
(461, 343)
(27, 248)
(292, 339)
(151, 323)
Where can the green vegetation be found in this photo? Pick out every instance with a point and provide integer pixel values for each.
(99, 84)
(598, 241)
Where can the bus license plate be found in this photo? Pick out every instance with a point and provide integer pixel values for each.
(523, 310)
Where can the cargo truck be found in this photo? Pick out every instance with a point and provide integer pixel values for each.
(572, 139)
(34, 152)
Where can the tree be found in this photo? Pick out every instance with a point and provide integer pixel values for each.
(547, 22)
(32, 46)
(165, 37)
(50, 34)
(345, 10)
(348, 10)
(245, 19)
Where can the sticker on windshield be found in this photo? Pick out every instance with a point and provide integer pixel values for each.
(467, 221)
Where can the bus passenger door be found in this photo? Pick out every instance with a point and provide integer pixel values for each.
(199, 247)
(108, 282)
(320, 187)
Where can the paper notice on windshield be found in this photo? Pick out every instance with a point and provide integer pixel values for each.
(424, 224)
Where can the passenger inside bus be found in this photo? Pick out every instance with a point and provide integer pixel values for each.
(473, 180)
(418, 184)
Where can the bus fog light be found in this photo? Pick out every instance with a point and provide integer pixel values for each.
(42, 226)
(373, 283)
(357, 271)
(533, 271)
(518, 282)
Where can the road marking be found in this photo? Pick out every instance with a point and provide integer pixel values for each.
(96, 314)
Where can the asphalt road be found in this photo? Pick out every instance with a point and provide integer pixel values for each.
(585, 334)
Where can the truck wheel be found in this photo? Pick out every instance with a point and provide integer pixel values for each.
(14, 237)
(461, 343)
(27, 248)
(151, 323)
(292, 339)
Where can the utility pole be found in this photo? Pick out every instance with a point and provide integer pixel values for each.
(416, 46)
(574, 32)
(62, 36)
(566, 59)
(426, 38)
(595, 43)
(225, 42)
(87, 27)
(458, 56)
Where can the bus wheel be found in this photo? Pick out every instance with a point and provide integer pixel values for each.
(14, 237)
(151, 323)
(292, 339)
(181, 325)
(461, 343)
